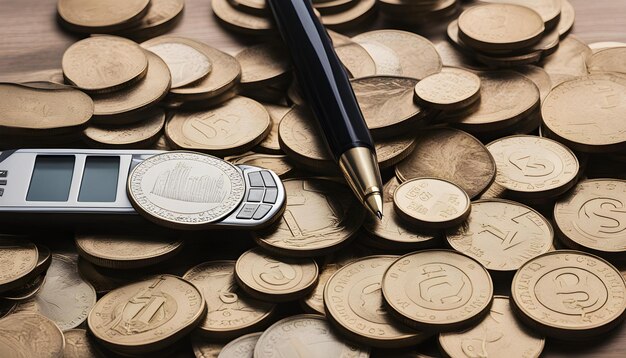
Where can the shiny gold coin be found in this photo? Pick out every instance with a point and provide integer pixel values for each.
(126, 251)
(569, 295)
(162, 15)
(133, 135)
(549, 10)
(437, 290)
(185, 59)
(539, 76)
(354, 305)
(530, 166)
(387, 104)
(418, 57)
(305, 333)
(30, 335)
(241, 347)
(96, 16)
(271, 144)
(233, 127)
(263, 64)
(568, 62)
(502, 235)
(500, 27)
(275, 279)
(593, 217)
(229, 313)
(450, 89)
(431, 203)
(320, 217)
(499, 334)
(19, 259)
(356, 59)
(451, 155)
(128, 104)
(78, 344)
(351, 17)
(279, 164)
(148, 315)
(241, 21)
(587, 113)
(608, 60)
(104, 63)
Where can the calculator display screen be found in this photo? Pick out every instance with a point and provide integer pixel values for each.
(52, 178)
(99, 182)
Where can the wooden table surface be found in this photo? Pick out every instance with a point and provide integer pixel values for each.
(31, 40)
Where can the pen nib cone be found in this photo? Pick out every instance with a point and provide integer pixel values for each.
(379, 215)
(374, 203)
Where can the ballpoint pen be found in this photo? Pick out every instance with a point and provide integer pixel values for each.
(328, 92)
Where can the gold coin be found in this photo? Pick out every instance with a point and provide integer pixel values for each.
(356, 59)
(279, 164)
(257, 7)
(566, 21)
(431, 203)
(28, 110)
(389, 188)
(233, 127)
(530, 166)
(104, 63)
(320, 217)
(229, 313)
(185, 59)
(500, 27)
(499, 334)
(19, 259)
(127, 104)
(502, 235)
(241, 21)
(392, 233)
(162, 15)
(148, 315)
(270, 144)
(569, 295)
(549, 10)
(592, 216)
(241, 347)
(451, 155)
(437, 290)
(539, 76)
(275, 279)
(417, 55)
(354, 305)
(305, 333)
(568, 62)
(126, 251)
(30, 335)
(587, 113)
(263, 64)
(387, 104)
(450, 89)
(78, 345)
(608, 60)
(355, 15)
(96, 16)
(133, 135)
(386, 61)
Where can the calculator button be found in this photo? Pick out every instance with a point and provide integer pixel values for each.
(262, 211)
(255, 179)
(270, 195)
(255, 195)
(247, 211)
(4, 173)
(3, 182)
(268, 179)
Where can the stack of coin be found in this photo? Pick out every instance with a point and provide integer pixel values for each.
(26, 268)
(419, 12)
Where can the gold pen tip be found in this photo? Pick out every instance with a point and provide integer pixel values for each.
(374, 202)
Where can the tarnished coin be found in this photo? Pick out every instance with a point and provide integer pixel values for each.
(499, 334)
(78, 344)
(549, 10)
(534, 167)
(30, 335)
(356, 59)
(452, 155)
(18, 259)
(65, 297)
(130, 103)
(275, 279)
(232, 127)
(608, 60)
(148, 315)
(133, 135)
(279, 164)
(270, 144)
(569, 295)
(229, 313)
(126, 251)
(162, 15)
(354, 304)
(96, 16)
(321, 216)
(104, 63)
(437, 290)
(387, 104)
(185, 59)
(587, 113)
(304, 333)
(242, 347)
(593, 217)
(500, 27)
(450, 89)
(418, 57)
(502, 235)
(263, 64)
(240, 21)
(164, 188)
(431, 203)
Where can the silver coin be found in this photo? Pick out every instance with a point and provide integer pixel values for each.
(242, 347)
